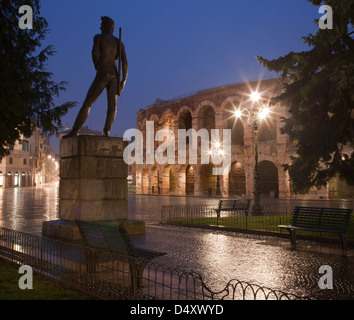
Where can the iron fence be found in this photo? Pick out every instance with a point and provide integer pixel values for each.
(275, 213)
(112, 277)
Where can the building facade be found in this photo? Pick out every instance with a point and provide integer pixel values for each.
(31, 163)
(215, 109)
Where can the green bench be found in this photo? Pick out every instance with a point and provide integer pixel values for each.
(114, 239)
(241, 204)
(331, 220)
(232, 205)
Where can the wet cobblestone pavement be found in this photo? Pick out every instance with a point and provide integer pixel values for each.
(218, 256)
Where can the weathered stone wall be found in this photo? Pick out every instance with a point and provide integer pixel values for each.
(93, 179)
(277, 150)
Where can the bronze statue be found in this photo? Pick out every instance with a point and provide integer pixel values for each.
(107, 49)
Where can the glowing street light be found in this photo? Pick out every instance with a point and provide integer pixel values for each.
(255, 96)
(216, 150)
(253, 120)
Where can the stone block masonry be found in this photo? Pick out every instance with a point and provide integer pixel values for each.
(93, 179)
(93, 186)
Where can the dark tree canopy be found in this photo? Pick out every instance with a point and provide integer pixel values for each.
(26, 88)
(319, 91)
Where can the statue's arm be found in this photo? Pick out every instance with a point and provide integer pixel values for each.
(96, 51)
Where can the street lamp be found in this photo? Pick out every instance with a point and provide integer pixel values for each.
(217, 151)
(253, 120)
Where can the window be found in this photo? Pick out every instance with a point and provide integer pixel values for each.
(10, 160)
(24, 161)
(25, 145)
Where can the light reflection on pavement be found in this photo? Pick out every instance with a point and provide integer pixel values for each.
(218, 256)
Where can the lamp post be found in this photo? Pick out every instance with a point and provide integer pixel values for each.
(253, 120)
(217, 151)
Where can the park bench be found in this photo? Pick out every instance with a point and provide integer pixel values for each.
(241, 204)
(232, 205)
(114, 239)
(331, 220)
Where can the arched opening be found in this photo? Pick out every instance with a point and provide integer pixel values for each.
(145, 181)
(168, 180)
(9, 180)
(267, 131)
(1, 179)
(23, 179)
(17, 179)
(207, 180)
(237, 131)
(268, 179)
(207, 118)
(155, 185)
(189, 180)
(172, 178)
(237, 180)
(185, 122)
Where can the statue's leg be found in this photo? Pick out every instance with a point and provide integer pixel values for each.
(112, 105)
(93, 93)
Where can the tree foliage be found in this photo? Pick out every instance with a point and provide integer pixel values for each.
(319, 92)
(26, 88)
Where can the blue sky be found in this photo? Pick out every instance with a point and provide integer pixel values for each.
(173, 47)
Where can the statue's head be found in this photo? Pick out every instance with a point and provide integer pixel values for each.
(107, 25)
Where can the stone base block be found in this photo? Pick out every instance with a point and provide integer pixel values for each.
(67, 230)
(104, 210)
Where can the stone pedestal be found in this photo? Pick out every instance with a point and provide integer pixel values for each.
(93, 185)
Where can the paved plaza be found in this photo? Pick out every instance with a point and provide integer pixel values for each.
(218, 256)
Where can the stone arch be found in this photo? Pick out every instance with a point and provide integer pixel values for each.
(207, 119)
(229, 106)
(184, 118)
(154, 180)
(29, 179)
(145, 181)
(207, 180)
(17, 179)
(23, 179)
(268, 179)
(154, 117)
(237, 180)
(167, 120)
(190, 180)
(206, 112)
(168, 180)
(267, 130)
(9, 179)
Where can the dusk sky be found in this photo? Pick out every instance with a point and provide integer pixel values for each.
(174, 48)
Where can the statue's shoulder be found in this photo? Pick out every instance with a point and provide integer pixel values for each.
(97, 37)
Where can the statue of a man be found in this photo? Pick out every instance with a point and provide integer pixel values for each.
(106, 51)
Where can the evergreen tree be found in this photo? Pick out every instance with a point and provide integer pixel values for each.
(319, 92)
(26, 88)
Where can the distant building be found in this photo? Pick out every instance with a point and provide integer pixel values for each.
(31, 163)
(214, 109)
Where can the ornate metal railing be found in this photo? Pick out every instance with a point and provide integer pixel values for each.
(111, 277)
